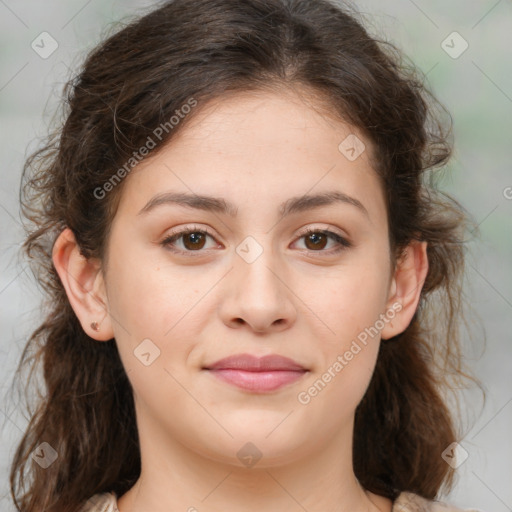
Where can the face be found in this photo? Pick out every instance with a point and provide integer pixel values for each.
(261, 269)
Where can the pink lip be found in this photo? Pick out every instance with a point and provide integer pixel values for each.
(257, 374)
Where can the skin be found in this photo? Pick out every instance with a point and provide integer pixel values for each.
(255, 150)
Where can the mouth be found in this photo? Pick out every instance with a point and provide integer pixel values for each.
(257, 374)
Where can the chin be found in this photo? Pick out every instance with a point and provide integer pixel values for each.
(260, 446)
(255, 454)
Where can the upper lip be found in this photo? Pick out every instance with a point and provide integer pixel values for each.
(250, 363)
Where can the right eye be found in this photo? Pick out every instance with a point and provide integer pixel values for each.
(193, 240)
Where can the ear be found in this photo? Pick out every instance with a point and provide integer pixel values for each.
(405, 288)
(83, 281)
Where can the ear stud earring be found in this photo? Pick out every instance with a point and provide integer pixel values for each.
(95, 326)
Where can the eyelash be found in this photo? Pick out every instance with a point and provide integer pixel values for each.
(343, 243)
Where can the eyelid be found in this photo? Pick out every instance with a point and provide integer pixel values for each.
(194, 228)
(320, 229)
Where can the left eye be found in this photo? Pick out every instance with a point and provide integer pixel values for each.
(316, 239)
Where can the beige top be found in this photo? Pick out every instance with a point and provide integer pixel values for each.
(406, 502)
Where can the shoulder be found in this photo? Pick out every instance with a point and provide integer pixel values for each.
(103, 502)
(410, 502)
(406, 502)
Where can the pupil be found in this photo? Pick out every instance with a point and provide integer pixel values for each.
(194, 240)
(317, 239)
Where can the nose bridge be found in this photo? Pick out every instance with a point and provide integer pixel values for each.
(257, 266)
(259, 296)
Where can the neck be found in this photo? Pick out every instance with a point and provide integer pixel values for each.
(174, 477)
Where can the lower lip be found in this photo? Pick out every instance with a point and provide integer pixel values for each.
(258, 381)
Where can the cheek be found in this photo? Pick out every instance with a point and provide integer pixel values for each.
(335, 389)
(338, 384)
(147, 296)
(350, 302)
(348, 299)
(145, 304)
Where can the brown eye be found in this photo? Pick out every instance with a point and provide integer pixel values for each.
(194, 240)
(316, 241)
(187, 241)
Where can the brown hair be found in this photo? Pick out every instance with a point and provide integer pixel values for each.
(133, 83)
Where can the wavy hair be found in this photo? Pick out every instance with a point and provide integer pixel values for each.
(132, 83)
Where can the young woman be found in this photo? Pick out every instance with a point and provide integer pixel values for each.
(253, 285)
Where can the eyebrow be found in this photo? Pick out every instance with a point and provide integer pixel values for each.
(218, 205)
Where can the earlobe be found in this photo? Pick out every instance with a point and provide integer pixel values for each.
(405, 288)
(83, 281)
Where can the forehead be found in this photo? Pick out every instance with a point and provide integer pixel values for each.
(252, 120)
(262, 147)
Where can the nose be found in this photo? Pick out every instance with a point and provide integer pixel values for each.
(258, 296)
